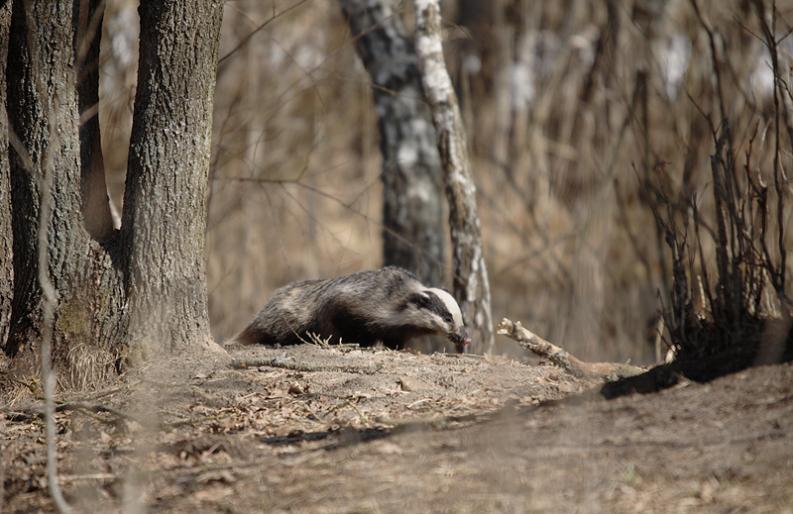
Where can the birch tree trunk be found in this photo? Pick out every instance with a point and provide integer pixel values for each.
(471, 286)
(413, 232)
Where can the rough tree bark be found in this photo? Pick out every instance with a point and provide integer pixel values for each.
(164, 218)
(471, 285)
(43, 116)
(146, 282)
(413, 233)
(6, 264)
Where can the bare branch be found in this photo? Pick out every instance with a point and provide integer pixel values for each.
(560, 357)
(244, 41)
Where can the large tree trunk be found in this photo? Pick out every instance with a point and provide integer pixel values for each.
(146, 282)
(42, 112)
(413, 229)
(471, 285)
(6, 264)
(164, 217)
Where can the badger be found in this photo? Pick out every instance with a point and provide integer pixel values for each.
(388, 305)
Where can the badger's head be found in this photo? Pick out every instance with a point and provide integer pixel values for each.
(436, 311)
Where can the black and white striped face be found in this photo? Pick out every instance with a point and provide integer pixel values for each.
(439, 310)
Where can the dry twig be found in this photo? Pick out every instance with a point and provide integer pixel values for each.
(563, 359)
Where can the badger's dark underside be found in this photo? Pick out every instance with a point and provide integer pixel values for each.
(344, 325)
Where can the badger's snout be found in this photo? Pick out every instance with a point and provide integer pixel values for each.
(460, 338)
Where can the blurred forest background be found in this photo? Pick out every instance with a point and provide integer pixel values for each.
(583, 117)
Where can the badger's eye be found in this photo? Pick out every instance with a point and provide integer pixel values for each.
(447, 317)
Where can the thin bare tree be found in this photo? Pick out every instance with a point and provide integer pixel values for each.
(471, 285)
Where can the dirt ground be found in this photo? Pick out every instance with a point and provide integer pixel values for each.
(326, 430)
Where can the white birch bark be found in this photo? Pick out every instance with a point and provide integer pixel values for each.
(471, 285)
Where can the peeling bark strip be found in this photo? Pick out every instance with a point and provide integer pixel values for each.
(563, 359)
(471, 286)
(164, 217)
(413, 227)
(6, 264)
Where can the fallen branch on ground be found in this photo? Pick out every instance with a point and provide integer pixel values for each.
(562, 358)
(292, 365)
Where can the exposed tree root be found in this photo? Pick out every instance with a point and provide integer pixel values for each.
(562, 358)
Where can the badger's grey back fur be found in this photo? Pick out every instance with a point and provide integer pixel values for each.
(389, 305)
